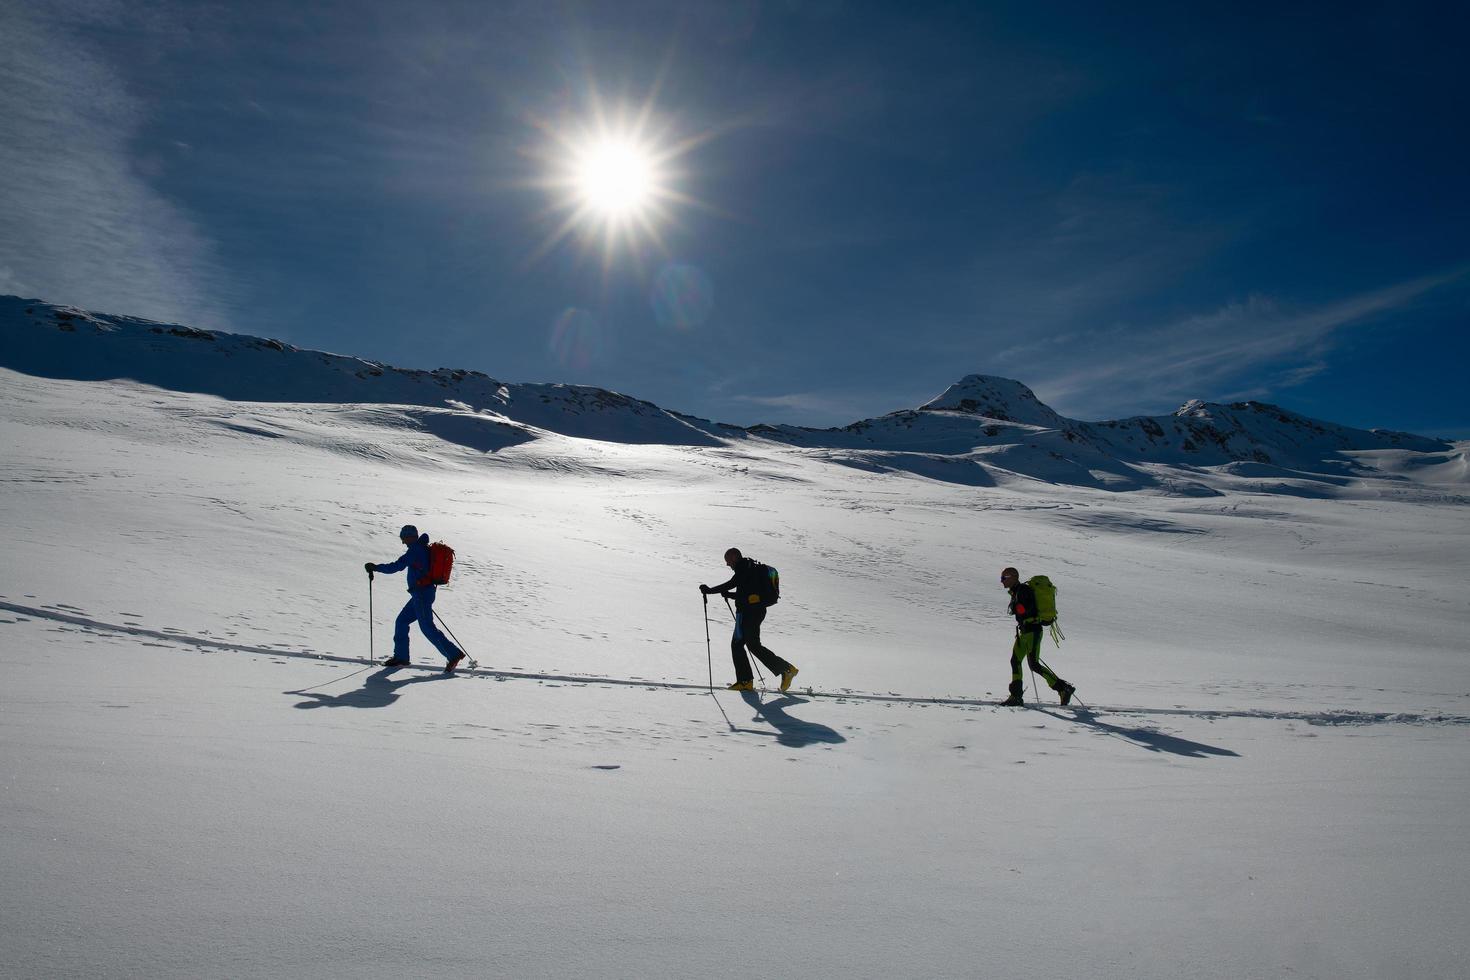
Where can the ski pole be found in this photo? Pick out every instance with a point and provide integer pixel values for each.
(709, 657)
(474, 664)
(371, 656)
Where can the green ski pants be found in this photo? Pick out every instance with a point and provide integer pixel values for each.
(1028, 647)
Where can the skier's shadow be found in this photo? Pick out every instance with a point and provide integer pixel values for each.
(791, 732)
(378, 690)
(1150, 738)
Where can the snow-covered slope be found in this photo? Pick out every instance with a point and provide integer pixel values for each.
(64, 342)
(203, 778)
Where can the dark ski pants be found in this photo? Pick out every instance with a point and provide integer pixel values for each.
(1028, 648)
(420, 609)
(748, 636)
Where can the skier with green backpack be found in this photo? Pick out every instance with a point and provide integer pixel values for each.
(1034, 604)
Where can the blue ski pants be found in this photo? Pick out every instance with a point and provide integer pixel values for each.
(420, 608)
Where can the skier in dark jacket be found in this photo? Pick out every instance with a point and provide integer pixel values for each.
(420, 605)
(1028, 640)
(748, 587)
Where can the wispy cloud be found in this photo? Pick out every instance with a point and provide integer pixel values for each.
(1210, 354)
(1103, 247)
(79, 223)
(813, 408)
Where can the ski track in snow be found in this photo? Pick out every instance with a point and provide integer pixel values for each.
(1080, 712)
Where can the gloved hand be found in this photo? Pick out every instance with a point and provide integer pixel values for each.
(370, 568)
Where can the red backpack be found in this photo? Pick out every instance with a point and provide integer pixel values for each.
(441, 563)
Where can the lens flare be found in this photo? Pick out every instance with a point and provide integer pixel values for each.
(682, 296)
(576, 339)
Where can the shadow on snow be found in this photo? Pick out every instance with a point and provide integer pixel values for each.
(378, 690)
(1149, 738)
(790, 732)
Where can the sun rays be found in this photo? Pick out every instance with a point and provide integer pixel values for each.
(614, 178)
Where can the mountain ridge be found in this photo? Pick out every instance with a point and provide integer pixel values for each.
(979, 429)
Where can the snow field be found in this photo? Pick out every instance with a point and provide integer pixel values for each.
(1272, 783)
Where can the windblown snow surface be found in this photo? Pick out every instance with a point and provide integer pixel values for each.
(203, 778)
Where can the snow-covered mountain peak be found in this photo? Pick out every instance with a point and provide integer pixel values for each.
(1194, 408)
(997, 398)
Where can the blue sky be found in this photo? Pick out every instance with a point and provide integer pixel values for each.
(865, 201)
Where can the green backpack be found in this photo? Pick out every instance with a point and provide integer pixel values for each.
(1046, 605)
(1046, 599)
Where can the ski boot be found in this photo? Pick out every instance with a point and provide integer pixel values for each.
(742, 686)
(396, 662)
(1015, 700)
(454, 662)
(787, 675)
(1065, 692)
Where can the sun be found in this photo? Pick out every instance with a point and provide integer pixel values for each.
(612, 176)
(612, 183)
(616, 178)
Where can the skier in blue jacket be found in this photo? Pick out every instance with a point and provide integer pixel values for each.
(420, 605)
